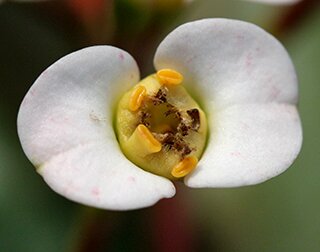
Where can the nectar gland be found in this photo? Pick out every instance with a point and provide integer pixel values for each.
(160, 127)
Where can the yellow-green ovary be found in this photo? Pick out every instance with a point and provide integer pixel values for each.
(173, 118)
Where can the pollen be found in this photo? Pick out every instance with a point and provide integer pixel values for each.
(136, 98)
(184, 167)
(169, 77)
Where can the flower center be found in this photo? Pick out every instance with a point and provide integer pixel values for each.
(160, 127)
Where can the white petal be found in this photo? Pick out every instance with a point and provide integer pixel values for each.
(246, 82)
(248, 144)
(72, 102)
(68, 112)
(98, 175)
(226, 62)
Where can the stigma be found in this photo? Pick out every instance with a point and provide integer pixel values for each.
(160, 127)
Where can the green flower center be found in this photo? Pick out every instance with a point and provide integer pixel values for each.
(160, 127)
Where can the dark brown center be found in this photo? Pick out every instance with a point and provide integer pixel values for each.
(169, 124)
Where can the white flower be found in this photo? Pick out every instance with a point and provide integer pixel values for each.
(242, 77)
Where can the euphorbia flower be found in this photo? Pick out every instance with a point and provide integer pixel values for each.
(241, 77)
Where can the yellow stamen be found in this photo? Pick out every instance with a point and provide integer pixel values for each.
(154, 144)
(184, 167)
(143, 142)
(169, 77)
(136, 98)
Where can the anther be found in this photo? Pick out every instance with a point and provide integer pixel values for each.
(136, 98)
(143, 142)
(169, 77)
(184, 167)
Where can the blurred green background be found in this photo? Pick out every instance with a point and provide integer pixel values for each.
(280, 215)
